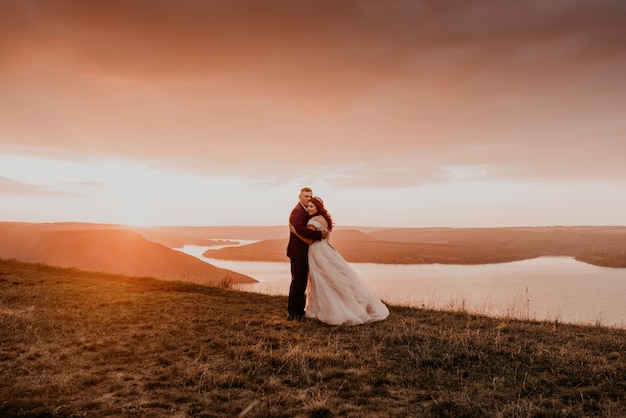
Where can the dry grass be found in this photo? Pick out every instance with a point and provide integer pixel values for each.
(86, 344)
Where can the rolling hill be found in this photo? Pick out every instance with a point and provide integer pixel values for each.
(110, 250)
(604, 246)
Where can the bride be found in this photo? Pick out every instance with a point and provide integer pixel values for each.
(336, 294)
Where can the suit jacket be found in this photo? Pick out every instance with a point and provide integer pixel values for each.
(296, 247)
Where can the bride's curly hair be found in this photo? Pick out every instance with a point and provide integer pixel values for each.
(321, 210)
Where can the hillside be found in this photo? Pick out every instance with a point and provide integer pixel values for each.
(373, 251)
(170, 237)
(74, 344)
(543, 240)
(605, 246)
(117, 251)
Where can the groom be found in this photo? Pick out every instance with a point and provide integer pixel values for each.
(298, 253)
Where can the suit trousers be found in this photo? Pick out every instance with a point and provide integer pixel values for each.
(297, 289)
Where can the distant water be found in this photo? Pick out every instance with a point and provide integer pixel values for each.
(545, 288)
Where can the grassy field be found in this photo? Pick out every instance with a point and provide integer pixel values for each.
(76, 344)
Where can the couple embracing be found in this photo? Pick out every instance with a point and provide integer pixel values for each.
(336, 294)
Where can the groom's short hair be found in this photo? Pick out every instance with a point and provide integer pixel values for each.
(306, 189)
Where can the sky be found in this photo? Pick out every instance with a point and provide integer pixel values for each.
(398, 113)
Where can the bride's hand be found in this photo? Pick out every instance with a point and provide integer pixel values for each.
(292, 228)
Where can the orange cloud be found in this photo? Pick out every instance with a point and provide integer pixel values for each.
(366, 90)
(10, 187)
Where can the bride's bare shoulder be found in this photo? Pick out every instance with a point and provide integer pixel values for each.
(321, 220)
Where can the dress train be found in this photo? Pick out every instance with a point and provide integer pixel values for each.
(336, 295)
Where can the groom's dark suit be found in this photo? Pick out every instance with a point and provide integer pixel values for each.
(298, 252)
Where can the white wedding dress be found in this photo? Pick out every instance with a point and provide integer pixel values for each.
(335, 293)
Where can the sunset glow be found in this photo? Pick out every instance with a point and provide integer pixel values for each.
(397, 113)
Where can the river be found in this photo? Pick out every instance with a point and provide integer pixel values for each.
(545, 288)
